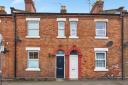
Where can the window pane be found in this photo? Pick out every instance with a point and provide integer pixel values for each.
(61, 29)
(30, 55)
(60, 32)
(33, 32)
(35, 55)
(100, 60)
(100, 63)
(100, 33)
(60, 25)
(33, 64)
(60, 52)
(100, 25)
(100, 56)
(73, 28)
(33, 24)
(100, 28)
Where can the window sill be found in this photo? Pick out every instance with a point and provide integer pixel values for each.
(61, 36)
(32, 36)
(73, 37)
(101, 37)
(100, 69)
(32, 69)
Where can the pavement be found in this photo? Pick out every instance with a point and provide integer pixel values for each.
(83, 82)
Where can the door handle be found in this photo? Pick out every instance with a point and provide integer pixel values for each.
(73, 69)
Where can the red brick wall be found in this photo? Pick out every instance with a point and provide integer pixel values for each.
(6, 29)
(86, 43)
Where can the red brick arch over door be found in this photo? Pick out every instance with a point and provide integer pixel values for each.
(75, 48)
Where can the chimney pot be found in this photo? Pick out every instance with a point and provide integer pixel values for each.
(63, 9)
(2, 10)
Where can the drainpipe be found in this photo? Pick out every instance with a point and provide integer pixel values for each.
(15, 52)
(122, 45)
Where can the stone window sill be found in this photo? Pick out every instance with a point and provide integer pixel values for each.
(73, 37)
(61, 37)
(100, 69)
(33, 37)
(101, 37)
(32, 69)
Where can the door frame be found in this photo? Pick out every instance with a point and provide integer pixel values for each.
(56, 64)
(74, 47)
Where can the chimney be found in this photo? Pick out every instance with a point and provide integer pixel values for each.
(63, 9)
(2, 10)
(98, 6)
(29, 6)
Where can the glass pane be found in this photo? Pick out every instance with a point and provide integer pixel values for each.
(100, 33)
(100, 63)
(35, 55)
(73, 28)
(74, 52)
(60, 52)
(60, 25)
(60, 32)
(33, 25)
(30, 55)
(33, 32)
(100, 25)
(33, 64)
(100, 56)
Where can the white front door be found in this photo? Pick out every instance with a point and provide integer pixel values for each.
(73, 67)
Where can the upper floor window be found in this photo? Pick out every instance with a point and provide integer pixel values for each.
(73, 27)
(101, 29)
(61, 32)
(33, 27)
(61, 27)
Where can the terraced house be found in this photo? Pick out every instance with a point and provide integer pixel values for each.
(63, 45)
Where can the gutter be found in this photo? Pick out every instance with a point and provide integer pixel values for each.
(15, 44)
(122, 45)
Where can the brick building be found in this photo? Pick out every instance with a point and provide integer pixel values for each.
(62, 45)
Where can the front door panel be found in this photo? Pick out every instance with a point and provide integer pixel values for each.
(73, 73)
(60, 67)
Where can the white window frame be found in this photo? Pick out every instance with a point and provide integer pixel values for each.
(73, 20)
(33, 19)
(61, 20)
(32, 49)
(101, 50)
(105, 36)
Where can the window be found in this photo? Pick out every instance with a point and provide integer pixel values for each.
(101, 29)
(100, 59)
(32, 27)
(73, 27)
(33, 59)
(61, 27)
(61, 32)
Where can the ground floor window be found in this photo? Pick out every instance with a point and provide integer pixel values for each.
(101, 59)
(33, 58)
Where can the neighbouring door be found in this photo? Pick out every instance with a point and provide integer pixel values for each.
(60, 65)
(73, 65)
